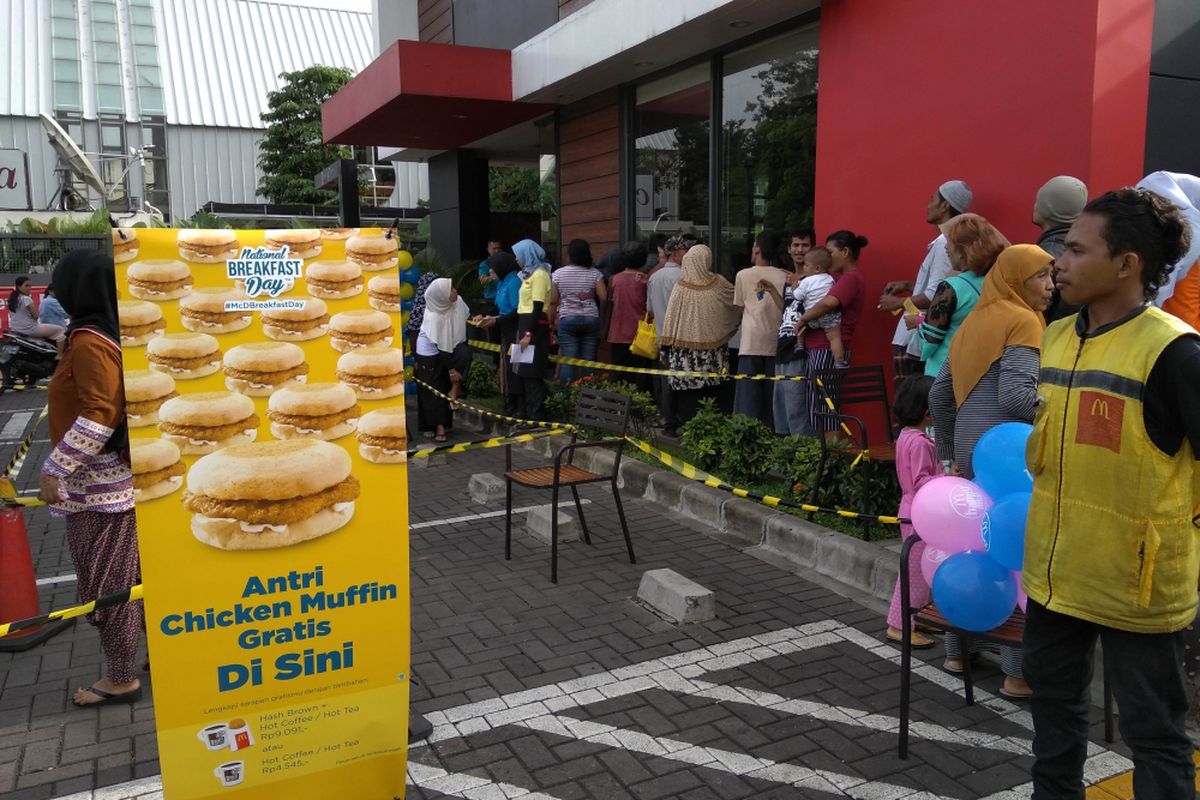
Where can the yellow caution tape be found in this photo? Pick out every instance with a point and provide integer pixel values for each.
(489, 413)
(600, 365)
(484, 444)
(117, 598)
(695, 473)
(18, 459)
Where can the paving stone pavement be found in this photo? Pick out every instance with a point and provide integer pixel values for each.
(575, 691)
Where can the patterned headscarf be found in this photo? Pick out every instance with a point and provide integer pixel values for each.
(417, 314)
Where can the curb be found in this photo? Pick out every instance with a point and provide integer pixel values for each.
(754, 528)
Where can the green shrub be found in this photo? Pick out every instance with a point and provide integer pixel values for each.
(869, 486)
(746, 455)
(482, 380)
(704, 435)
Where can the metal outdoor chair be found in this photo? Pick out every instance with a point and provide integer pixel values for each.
(1009, 633)
(604, 411)
(846, 387)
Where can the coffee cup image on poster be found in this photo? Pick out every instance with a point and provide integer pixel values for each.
(268, 445)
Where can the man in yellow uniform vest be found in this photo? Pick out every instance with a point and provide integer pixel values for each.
(1112, 546)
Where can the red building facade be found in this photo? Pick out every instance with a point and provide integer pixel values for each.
(1002, 95)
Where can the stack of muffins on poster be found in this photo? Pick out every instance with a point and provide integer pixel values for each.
(262, 424)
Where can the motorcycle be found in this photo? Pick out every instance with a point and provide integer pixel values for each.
(25, 360)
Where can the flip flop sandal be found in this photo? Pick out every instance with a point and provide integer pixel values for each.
(110, 699)
(916, 645)
(1015, 695)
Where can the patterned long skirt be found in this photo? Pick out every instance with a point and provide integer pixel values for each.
(104, 549)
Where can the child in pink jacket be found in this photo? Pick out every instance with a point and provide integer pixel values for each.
(916, 465)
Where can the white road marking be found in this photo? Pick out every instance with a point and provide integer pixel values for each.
(460, 784)
(485, 515)
(539, 709)
(740, 764)
(15, 427)
(57, 579)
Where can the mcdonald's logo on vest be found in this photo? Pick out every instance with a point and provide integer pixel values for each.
(1100, 419)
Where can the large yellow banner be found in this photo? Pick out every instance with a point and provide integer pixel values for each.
(264, 386)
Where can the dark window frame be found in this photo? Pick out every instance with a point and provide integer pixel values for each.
(716, 155)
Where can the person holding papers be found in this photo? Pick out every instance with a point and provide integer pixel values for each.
(533, 327)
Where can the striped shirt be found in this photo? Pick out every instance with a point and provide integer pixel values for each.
(1007, 393)
(576, 290)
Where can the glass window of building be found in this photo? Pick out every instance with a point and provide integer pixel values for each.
(113, 161)
(767, 142)
(154, 169)
(64, 55)
(110, 96)
(671, 140)
(145, 57)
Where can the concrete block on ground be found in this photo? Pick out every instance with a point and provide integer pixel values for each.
(635, 476)
(703, 503)
(537, 525)
(666, 488)
(486, 488)
(745, 519)
(675, 597)
(433, 460)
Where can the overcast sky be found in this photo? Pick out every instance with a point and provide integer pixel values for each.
(345, 5)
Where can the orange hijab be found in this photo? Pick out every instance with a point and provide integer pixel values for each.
(1001, 319)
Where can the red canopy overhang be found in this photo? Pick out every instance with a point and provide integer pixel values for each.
(429, 96)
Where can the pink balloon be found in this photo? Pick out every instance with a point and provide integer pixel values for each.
(1022, 598)
(947, 513)
(931, 559)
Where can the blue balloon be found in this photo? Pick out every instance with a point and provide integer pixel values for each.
(406, 305)
(999, 460)
(411, 275)
(1004, 529)
(974, 592)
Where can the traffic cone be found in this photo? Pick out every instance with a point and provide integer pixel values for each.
(18, 585)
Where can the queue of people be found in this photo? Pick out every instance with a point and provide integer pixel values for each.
(702, 321)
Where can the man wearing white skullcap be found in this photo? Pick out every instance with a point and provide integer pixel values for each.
(1059, 203)
(951, 199)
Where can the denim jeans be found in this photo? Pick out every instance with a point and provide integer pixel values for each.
(577, 338)
(756, 398)
(791, 401)
(1145, 671)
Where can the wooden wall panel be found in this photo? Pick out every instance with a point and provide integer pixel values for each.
(435, 19)
(589, 170)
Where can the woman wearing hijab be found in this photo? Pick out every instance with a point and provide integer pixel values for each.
(700, 320)
(990, 378)
(86, 477)
(417, 315)
(442, 356)
(533, 325)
